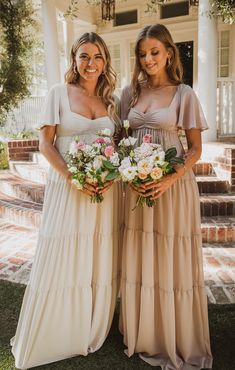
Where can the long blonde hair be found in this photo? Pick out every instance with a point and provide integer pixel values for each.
(174, 68)
(107, 80)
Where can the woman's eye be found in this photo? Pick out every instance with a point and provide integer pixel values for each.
(84, 57)
(141, 55)
(98, 57)
(155, 52)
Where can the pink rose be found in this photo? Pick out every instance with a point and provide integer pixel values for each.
(81, 145)
(147, 138)
(109, 150)
(100, 140)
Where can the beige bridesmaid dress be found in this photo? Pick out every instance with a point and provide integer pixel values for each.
(70, 299)
(163, 302)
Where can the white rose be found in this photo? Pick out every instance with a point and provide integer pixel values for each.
(73, 148)
(128, 174)
(144, 167)
(159, 156)
(126, 124)
(130, 141)
(159, 163)
(125, 163)
(114, 159)
(145, 150)
(88, 149)
(106, 131)
(72, 169)
(97, 163)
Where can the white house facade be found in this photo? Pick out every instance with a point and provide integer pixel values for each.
(206, 44)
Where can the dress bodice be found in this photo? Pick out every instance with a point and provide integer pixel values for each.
(70, 124)
(183, 112)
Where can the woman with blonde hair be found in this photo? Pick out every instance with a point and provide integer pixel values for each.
(70, 299)
(163, 301)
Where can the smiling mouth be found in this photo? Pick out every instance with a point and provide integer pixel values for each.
(90, 70)
(150, 66)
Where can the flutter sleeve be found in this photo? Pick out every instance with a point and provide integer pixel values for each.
(50, 115)
(125, 101)
(190, 112)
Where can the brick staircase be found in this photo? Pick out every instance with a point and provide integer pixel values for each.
(21, 197)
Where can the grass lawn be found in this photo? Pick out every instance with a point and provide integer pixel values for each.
(111, 355)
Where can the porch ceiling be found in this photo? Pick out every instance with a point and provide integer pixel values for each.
(85, 12)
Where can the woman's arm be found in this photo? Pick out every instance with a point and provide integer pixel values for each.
(46, 147)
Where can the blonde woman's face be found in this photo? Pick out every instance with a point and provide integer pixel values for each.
(89, 61)
(153, 56)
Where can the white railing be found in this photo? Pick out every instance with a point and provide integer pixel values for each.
(26, 117)
(226, 106)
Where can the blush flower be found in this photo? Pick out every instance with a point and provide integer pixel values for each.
(144, 167)
(142, 176)
(147, 138)
(156, 173)
(100, 140)
(109, 150)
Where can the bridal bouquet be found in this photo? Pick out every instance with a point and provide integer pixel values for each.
(94, 164)
(146, 163)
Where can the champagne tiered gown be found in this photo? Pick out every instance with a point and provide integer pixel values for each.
(69, 302)
(163, 301)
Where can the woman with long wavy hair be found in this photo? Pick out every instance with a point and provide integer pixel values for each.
(163, 301)
(70, 299)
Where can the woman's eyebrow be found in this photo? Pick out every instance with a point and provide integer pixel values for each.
(155, 47)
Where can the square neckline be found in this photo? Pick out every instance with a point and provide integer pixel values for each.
(78, 114)
(157, 109)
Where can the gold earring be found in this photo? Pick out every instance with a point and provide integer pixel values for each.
(168, 62)
(75, 71)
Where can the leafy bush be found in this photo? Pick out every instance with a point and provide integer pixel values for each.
(4, 164)
(16, 44)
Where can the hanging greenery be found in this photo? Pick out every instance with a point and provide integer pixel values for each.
(224, 9)
(16, 44)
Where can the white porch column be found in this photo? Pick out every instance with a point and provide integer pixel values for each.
(51, 42)
(207, 66)
(68, 32)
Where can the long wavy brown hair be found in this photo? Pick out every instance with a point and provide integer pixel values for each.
(174, 68)
(107, 80)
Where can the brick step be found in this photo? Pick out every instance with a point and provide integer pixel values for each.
(18, 187)
(18, 244)
(220, 229)
(19, 211)
(211, 185)
(29, 170)
(217, 205)
(202, 168)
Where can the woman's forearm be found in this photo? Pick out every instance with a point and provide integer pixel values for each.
(55, 159)
(191, 157)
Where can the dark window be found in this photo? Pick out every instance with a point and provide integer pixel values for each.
(186, 57)
(175, 10)
(125, 18)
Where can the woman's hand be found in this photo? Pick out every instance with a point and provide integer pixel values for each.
(106, 186)
(155, 189)
(140, 190)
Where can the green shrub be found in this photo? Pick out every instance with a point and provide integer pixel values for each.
(4, 162)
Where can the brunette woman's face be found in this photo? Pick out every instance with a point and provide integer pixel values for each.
(153, 56)
(89, 61)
